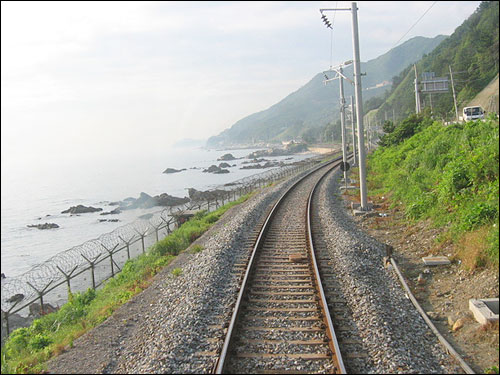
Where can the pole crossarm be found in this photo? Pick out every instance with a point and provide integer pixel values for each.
(333, 9)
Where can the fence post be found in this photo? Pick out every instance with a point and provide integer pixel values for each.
(92, 265)
(111, 252)
(67, 276)
(142, 239)
(127, 243)
(40, 294)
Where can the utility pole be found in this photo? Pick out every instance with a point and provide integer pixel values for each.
(359, 109)
(359, 102)
(353, 133)
(340, 75)
(342, 124)
(453, 90)
(417, 97)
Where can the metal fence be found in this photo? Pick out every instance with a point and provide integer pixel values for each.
(93, 262)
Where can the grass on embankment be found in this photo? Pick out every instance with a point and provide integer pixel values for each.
(448, 174)
(28, 349)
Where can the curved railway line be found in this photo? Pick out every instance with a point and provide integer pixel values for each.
(281, 322)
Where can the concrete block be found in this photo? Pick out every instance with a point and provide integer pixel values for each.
(356, 206)
(343, 187)
(436, 261)
(484, 310)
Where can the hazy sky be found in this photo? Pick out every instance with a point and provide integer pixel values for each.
(110, 77)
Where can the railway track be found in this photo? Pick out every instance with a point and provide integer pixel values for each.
(281, 322)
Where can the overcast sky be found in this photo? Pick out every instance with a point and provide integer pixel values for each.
(146, 74)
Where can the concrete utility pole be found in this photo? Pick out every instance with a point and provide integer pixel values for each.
(340, 75)
(342, 124)
(417, 97)
(453, 90)
(359, 109)
(353, 133)
(359, 102)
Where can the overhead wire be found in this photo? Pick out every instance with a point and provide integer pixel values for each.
(422, 16)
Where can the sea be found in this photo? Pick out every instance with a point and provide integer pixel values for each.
(37, 193)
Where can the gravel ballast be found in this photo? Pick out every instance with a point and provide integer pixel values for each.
(395, 336)
(177, 325)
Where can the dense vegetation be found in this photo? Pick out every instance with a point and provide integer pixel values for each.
(448, 174)
(471, 52)
(27, 349)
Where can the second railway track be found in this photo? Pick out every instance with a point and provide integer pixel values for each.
(281, 322)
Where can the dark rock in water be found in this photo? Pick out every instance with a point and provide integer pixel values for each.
(144, 201)
(113, 203)
(16, 298)
(226, 157)
(215, 169)
(211, 195)
(44, 226)
(269, 164)
(3, 275)
(113, 220)
(113, 212)
(211, 169)
(173, 170)
(146, 216)
(168, 200)
(80, 209)
(224, 165)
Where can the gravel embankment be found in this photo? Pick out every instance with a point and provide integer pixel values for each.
(396, 337)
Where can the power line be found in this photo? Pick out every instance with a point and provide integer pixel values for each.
(422, 16)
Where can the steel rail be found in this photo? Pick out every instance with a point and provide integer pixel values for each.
(251, 265)
(333, 343)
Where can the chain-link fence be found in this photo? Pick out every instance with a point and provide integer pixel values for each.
(93, 262)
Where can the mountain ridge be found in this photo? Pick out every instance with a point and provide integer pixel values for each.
(314, 104)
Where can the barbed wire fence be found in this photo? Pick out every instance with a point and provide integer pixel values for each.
(95, 261)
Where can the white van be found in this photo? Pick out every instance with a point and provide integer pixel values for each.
(473, 113)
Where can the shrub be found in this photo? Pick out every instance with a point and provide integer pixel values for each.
(39, 341)
(479, 214)
(177, 272)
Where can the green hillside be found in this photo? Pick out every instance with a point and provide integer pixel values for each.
(448, 174)
(314, 105)
(471, 52)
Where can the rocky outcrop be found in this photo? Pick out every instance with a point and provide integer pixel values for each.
(197, 195)
(80, 209)
(168, 200)
(44, 226)
(113, 212)
(226, 157)
(36, 310)
(147, 201)
(269, 164)
(224, 165)
(215, 169)
(173, 170)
